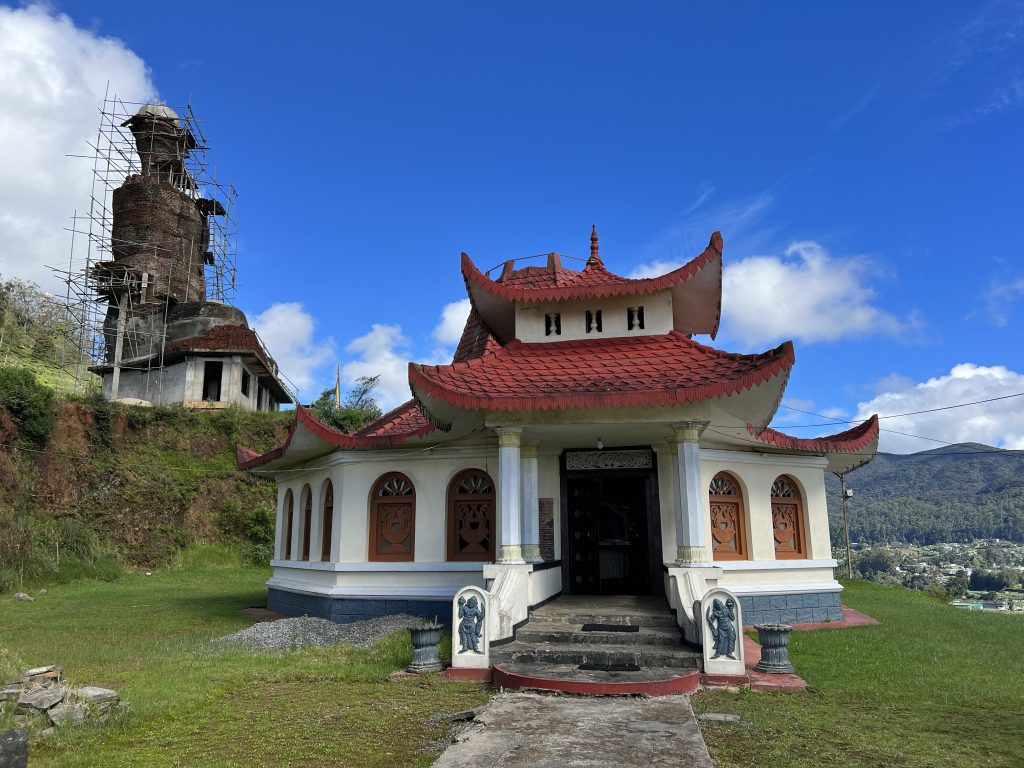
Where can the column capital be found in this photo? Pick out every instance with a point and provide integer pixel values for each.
(528, 450)
(508, 437)
(689, 431)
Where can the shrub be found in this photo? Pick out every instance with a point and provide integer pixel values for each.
(29, 404)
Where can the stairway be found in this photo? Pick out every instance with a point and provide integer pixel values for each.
(576, 644)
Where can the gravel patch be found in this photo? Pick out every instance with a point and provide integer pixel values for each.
(309, 631)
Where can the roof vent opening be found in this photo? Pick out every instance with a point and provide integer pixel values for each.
(594, 321)
(635, 318)
(553, 324)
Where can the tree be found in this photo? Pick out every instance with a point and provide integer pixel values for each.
(358, 408)
(958, 584)
(874, 563)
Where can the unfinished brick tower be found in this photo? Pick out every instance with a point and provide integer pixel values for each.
(166, 232)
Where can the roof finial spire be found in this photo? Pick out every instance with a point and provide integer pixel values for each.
(593, 244)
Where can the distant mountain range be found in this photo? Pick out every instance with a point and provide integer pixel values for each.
(954, 493)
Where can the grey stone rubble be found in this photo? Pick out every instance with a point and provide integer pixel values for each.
(22, 596)
(309, 631)
(43, 691)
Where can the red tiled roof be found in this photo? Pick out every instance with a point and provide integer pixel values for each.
(616, 372)
(391, 429)
(850, 441)
(594, 281)
(407, 419)
(476, 340)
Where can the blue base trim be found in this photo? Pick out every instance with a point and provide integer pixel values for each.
(791, 609)
(345, 610)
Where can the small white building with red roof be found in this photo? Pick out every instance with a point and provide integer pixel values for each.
(580, 440)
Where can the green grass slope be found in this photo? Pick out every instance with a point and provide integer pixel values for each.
(193, 704)
(929, 687)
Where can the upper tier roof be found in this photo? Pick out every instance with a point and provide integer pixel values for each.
(629, 371)
(696, 289)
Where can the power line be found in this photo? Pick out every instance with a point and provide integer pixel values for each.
(897, 415)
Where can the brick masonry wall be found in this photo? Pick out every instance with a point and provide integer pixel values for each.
(346, 610)
(791, 609)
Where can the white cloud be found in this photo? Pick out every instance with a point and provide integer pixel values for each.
(384, 351)
(806, 294)
(453, 320)
(52, 80)
(999, 423)
(1000, 298)
(288, 330)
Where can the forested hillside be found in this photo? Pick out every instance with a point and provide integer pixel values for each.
(956, 493)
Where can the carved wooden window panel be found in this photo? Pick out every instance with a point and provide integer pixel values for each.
(307, 520)
(471, 518)
(393, 519)
(327, 522)
(728, 526)
(289, 519)
(788, 520)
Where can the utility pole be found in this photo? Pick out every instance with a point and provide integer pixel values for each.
(846, 523)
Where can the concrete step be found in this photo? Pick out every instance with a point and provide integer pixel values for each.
(575, 617)
(535, 632)
(519, 652)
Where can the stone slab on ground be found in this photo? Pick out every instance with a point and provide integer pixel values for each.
(14, 749)
(553, 731)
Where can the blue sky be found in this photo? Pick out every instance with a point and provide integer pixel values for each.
(862, 161)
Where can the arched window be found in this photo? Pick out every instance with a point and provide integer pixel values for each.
(788, 520)
(327, 521)
(471, 516)
(307, 519)
(289, 518)
(728, 527)
(392, 518)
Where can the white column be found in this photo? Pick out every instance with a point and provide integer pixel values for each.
(690, 544)
(297, 502)
(282, 536)
(510, 549)
(529, 498)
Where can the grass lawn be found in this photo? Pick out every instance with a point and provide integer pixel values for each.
(193, 705)
(932, 686)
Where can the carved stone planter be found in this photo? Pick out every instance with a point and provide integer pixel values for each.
(426, 649)
(774, 640)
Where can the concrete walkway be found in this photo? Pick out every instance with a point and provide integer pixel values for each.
(556, 731)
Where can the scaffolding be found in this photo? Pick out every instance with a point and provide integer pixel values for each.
(120, 287)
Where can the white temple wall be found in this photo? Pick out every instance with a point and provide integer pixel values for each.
(530, 318)
(549, 486)
(756, 473)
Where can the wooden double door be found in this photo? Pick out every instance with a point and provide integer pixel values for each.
(611, 533)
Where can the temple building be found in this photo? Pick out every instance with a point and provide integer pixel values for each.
(581, 442)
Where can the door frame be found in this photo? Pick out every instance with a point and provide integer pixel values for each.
(652, 512)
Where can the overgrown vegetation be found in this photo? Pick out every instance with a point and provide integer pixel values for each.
(192, 704)
(358, 408)
(105, 484)
(927, 688)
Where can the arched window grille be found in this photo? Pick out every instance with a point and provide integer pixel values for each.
(307, 520)
(392, 519)
(471, 516)
(327, 521)
(788, 520)
(289, 519)
(728, 524)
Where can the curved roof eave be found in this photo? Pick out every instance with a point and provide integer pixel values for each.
(845, 451)
(696, 308)
(323, 438)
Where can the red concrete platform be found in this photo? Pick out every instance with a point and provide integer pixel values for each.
(468, 675)
(685, 683)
